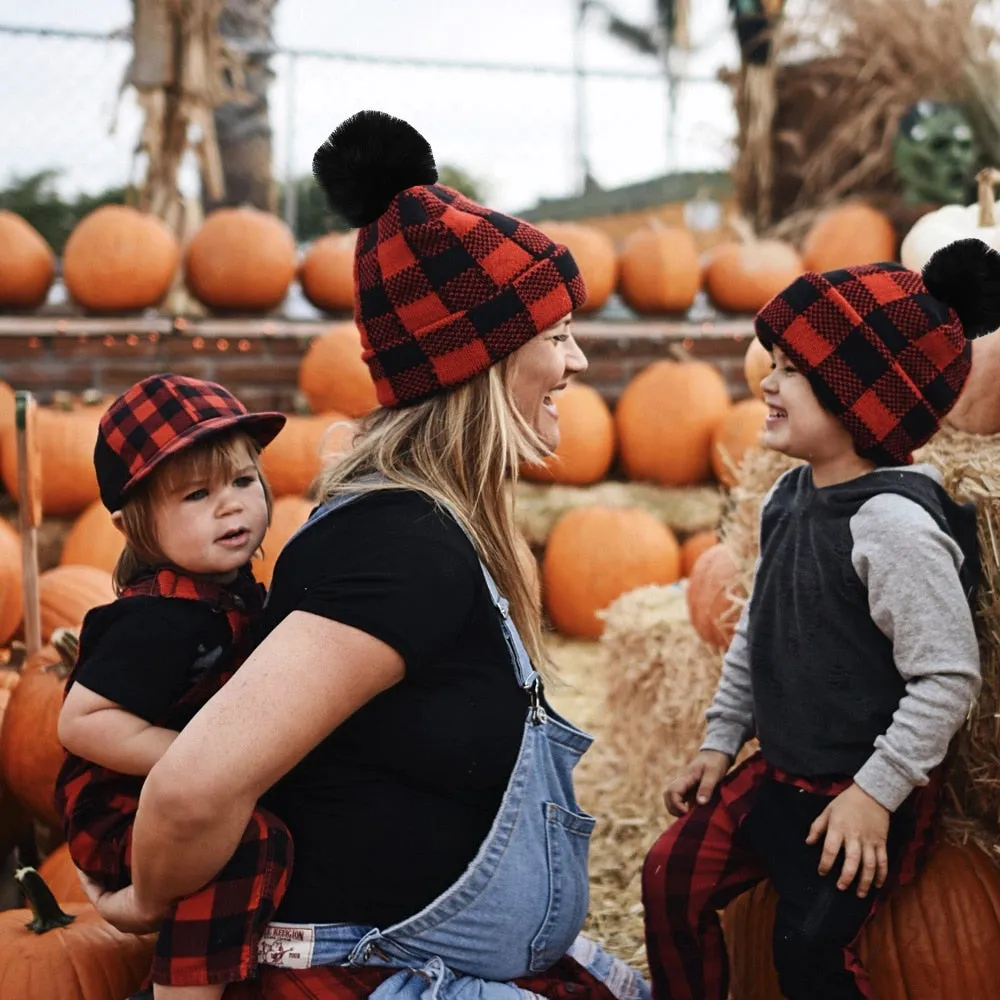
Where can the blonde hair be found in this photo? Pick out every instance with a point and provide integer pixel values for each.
(462, 449)
(213, 460)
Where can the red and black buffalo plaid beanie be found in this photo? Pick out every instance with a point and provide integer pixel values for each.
(885, 349)
(443, 288)
(160, 416)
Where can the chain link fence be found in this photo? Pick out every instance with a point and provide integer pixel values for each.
(517, 132)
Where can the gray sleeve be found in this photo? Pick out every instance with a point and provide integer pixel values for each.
(910, 568)
(730, 716)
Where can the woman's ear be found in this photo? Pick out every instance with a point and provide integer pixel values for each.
(116, 520)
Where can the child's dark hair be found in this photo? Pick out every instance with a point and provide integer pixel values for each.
(213, 460)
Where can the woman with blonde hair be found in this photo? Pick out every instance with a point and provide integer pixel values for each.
(393, 715)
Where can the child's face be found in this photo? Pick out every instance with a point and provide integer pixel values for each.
(213, 529)
(797, 425)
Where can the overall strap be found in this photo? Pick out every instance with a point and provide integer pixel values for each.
(527, 677)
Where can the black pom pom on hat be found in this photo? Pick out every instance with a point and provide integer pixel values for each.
(367, 160)
(966, 276)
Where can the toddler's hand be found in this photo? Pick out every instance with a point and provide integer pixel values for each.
(859, 824)
(697, 780)
(120, 909)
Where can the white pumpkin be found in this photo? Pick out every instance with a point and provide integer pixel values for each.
(937, 229)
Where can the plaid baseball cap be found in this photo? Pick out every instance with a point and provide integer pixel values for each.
(444, 288)
(885, 349)
(160, 416)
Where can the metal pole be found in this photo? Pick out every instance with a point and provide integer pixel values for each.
(580, 99)
(290, 189)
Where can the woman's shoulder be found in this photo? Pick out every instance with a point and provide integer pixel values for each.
(390, 514)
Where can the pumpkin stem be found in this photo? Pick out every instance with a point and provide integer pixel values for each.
(91, 397)
(45, 911)
(744, 231)
(16, 655)
(987, 179)
(66, 643)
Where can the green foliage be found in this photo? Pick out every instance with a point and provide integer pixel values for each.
(36, 199)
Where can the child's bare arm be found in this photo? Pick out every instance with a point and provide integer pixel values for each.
(101, 731)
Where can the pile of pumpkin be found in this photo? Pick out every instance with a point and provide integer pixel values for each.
(119, 259)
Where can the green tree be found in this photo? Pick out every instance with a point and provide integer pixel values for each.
(36, 199)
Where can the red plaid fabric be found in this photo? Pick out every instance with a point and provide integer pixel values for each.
(211, 936)
(158, 417)
(699, 865)
(446, 288)
(566, 980)
(880, 352)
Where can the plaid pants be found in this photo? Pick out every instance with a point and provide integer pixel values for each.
(721, 849)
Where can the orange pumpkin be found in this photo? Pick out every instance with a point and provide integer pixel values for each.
(289, 514)
(710, 594)
(756, 366)
(848, 235)
(118, 258)
(66, 954)
(241, 259)
(665, 420)
(660, 270)
(595, 256)
(977, 409)
(93, 540)
(327, 272)
(66, 593)
(60, 876)
(66, 443)
(14, 821)
(332, 375)
(26, 263)
(744, 277)
(586, 440)
(935, 939)
(6, 406)
(692, 548)
(596, 554)
(30, 752)
(11, 598)
(294, 458)
(735, 434)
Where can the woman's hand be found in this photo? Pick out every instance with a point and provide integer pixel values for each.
(121, 909)
(859, 824)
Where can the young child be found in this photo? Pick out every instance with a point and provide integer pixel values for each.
(177, 464)
(855, 660)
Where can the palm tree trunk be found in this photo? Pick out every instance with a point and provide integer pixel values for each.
(243, 127)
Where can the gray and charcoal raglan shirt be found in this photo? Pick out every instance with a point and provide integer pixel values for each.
(856, 654)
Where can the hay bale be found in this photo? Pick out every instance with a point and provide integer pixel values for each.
(970, 465)
(684, 510)
(659, 678)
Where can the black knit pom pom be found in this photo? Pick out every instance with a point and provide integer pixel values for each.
(369, 159)
(966, 276)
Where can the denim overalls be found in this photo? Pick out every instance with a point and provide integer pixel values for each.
(520, 904)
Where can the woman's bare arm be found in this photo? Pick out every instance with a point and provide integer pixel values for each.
(101, 731)
(304, 680)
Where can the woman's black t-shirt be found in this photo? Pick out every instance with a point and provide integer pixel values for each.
(388, 811)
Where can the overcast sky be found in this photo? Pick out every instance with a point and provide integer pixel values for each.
(515, 132)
